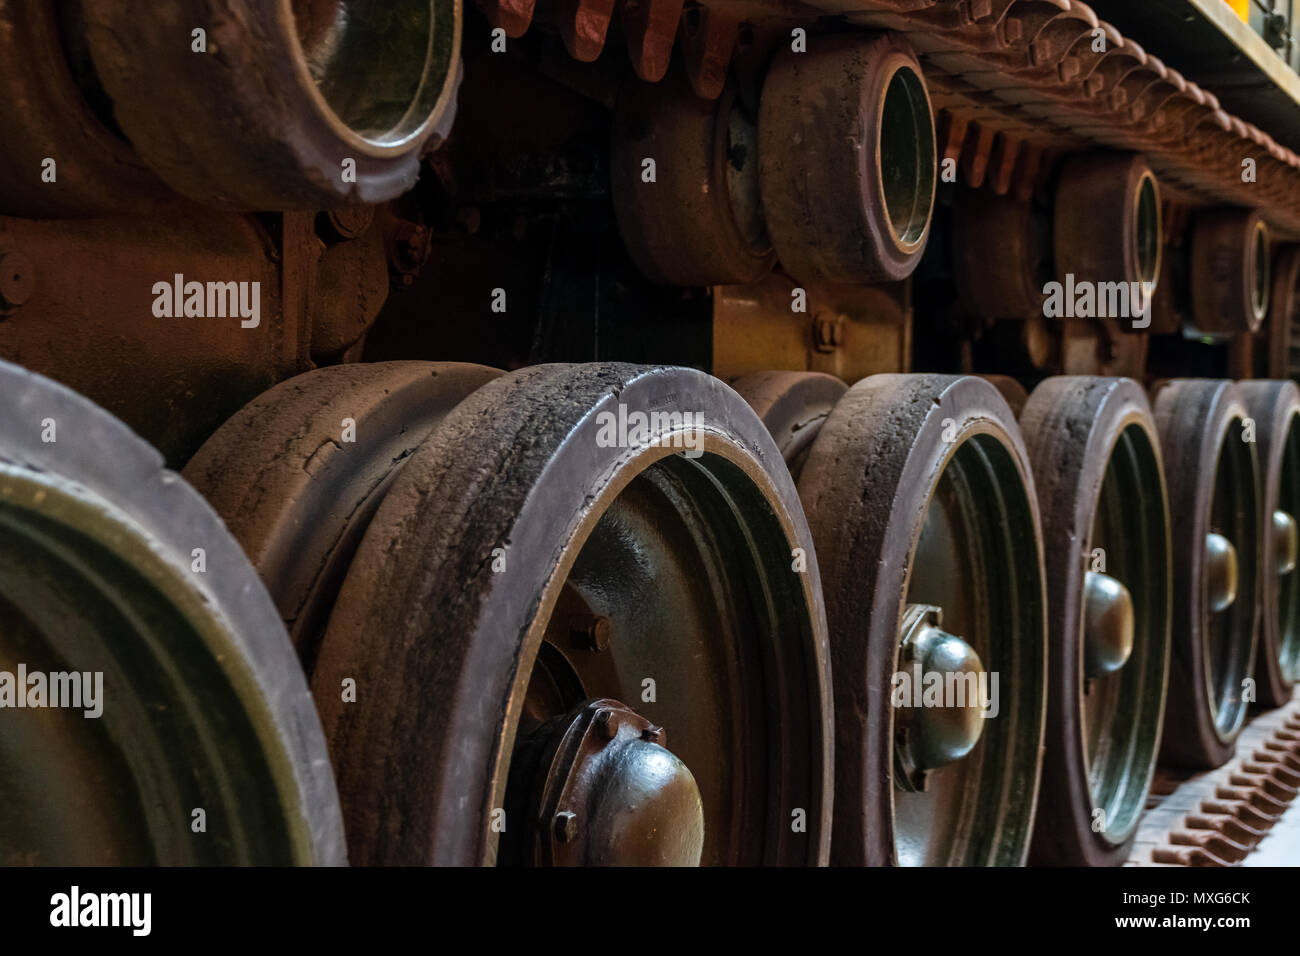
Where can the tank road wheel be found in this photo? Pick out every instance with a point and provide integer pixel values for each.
(1012, 392)
(922, 509)
(1009, 285)
(793, 406)
(701, 221)
(305, 104)
(111, 565)
(1229, 271)
(298, 473)
(1101, 198)
(847, 159)
(1101, 491)
(1275, 407)
(579, 635)
(1213, 502)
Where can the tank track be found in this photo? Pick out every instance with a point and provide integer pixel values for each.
(1013, 82)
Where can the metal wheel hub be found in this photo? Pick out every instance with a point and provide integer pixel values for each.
(1107, 624)
(609, 792)
(1285, 543)
(1220, 572)
(927, 736)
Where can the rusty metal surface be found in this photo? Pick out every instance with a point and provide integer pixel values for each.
(89, 319)
(80, 301)
(845, 330)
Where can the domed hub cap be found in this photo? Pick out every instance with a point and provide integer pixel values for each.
(938, 714)
(1285, 543)
(1107, 624)
(1220, 572)
(610, 793)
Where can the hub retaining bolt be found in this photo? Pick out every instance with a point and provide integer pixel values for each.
(590, 632)
(607, 722)
(17, 279)
(565, 826)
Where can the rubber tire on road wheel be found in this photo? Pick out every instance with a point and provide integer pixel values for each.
(793, 406)
(243, 125)
(440, 618)
(297, 496)
(1073, 427)
(866, 487)
(223, 722)
(1195, 419)
(1275, 406)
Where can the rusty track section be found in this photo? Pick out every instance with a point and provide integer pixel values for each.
(1219, 818)
(1013, 82)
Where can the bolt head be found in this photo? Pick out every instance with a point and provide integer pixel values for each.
(606, 723)
(590, 632)
(565, 826)
(17, 279)
(350, 222)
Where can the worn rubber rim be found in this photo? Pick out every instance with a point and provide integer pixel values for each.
(1283, 312)
(793, 407)
(814, 107)
(271, 137)
(1012, 286)
(242, 740)
(694, 236)
(515, 474)
(1275, 406)
(1211, 476)
(296, 496)
(1100, 481)
(1096, 191)
(867, 488)
(1229, 269)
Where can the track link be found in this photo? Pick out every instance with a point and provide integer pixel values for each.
(1223, 817)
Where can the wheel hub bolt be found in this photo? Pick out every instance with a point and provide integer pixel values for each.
(17, 280)
(1286, 542)
(1107, 624)
(1220, 572)
(565, 826)
(590, 632)
(607, 724)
